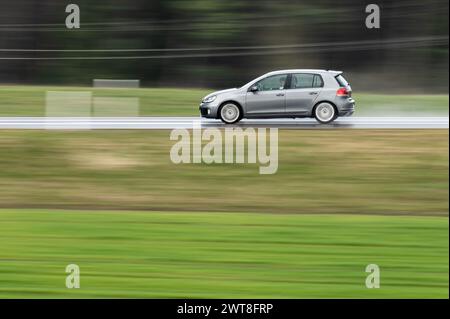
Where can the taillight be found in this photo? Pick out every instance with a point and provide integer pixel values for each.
(342, 92)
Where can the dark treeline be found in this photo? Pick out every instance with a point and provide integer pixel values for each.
(217, 43)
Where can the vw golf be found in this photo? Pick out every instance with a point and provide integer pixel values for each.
(324, 95)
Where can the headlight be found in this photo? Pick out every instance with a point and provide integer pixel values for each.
(209, 99)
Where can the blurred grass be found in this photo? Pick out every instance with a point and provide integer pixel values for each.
(338, 171)
(30, 101)
(218, 255)
(401, 105)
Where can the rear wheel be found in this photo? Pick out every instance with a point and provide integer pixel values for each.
(230, 113)
(325, 113)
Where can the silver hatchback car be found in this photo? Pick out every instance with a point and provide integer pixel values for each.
(321, 94)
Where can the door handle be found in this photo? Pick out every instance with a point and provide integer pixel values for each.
(313, 93)
(280, 94)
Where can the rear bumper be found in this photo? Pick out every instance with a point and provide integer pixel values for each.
(346, 107)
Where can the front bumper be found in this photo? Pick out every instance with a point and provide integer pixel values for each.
(208, 110)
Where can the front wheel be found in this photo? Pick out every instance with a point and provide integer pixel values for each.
(230, 113)
(325, 113)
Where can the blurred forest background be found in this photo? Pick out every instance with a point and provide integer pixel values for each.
(216, 43)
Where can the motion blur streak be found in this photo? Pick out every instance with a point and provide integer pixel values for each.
(223, 44)
(412, 40)
(345, 46)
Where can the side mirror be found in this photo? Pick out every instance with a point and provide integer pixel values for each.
(254, 88)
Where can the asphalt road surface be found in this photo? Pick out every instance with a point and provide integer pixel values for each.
(157, 123)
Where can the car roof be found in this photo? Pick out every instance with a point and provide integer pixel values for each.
(304, 71)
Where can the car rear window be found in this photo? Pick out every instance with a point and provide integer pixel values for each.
(341, 80)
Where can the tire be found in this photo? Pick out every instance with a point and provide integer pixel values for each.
(230, 113)
(325, 113)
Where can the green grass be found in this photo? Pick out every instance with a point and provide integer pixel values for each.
(190, 238)
(343, 171)
(30, 101)
(220, 255)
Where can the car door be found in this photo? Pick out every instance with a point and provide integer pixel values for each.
(302, 93)
(269, 98)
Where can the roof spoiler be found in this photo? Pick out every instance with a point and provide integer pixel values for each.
(336, 73)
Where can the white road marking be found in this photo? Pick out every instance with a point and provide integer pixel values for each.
(149, 123)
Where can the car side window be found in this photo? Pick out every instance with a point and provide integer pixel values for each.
(306, 81)
(318, 81)
(274, 82)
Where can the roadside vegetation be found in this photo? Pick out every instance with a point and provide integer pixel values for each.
(339, 171)
(30, 101)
